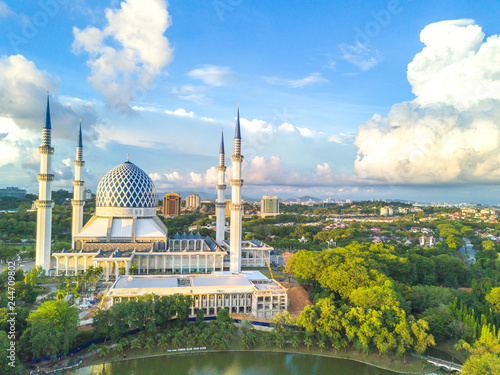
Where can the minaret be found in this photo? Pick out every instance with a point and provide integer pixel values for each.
(78, 201)
(44, 203)
(220, 206)
(236, 206)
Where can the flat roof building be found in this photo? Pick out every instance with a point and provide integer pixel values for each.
(269, 206)
(192, 202)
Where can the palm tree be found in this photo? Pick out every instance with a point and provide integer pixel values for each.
(125, 341)
(163, 341)
(308, 342)
(93, 349)
(104, 351)
(245, 326)
(295, 341)
(150, 342)
(178, 339)
(321, 343)
(136, 344)
(118, 347)
(250, 340)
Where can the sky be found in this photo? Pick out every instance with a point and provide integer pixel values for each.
(394, 99)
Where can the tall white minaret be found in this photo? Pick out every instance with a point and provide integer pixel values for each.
(236, 206)
(44, 203)
(78, 201)
(220, 206)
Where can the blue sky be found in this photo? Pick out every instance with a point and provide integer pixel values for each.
(344, 99)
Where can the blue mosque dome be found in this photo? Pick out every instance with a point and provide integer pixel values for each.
(126, 185)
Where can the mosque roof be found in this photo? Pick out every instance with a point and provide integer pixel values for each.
(126, 186)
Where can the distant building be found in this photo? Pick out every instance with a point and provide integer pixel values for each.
(228, 208)
(386, 211)
(87, 194)
(172, 204)
(192, 202)
(269, 206)
(427, 241)
(13, 191)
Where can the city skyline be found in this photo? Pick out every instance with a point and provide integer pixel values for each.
(384, 101)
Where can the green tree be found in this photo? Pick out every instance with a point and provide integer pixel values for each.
(4, 360)
(493, 297)
(53, 328)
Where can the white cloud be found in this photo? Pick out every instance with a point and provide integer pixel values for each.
(191, 93)
(174, 176)
(5, 11)
(180, 112)
(212, 75)
(449, 133)
(342, 138)
(208, 119)
(287, 127)
(23, 98)
(311, 79)
(129, 52)
(456, 66)
(13, 141)
(360, 55)
(155, 176)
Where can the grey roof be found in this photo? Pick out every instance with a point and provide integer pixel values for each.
(237, 133)
(48, 124)
(80, 143)
(221, 150)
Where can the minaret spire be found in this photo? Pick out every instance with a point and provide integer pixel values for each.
(236, 205)
(44, 204)
(220, 206)
(78, 200)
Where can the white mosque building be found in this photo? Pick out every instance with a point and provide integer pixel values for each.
(126, 234)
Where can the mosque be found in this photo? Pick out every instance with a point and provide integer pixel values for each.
(132, 245)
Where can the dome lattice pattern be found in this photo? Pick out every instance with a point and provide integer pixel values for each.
(126, 186)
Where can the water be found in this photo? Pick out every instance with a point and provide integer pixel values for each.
(234, 363)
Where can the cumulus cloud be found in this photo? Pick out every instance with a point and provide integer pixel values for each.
(451, 132)
(23, 97)
(212, 75)
(311, 79)
(128, 53)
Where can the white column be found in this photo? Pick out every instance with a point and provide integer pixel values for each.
(236, 206)
(44, 204)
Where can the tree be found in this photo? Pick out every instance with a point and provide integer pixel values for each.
(485, 355)
(104, 351)
(493, 297)
(53, 328)
(5, 350)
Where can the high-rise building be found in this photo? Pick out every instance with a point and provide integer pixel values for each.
(87, 194)
(227, 210)
(192, 202)
(172, 204)
(269, 206)
(386, 211)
